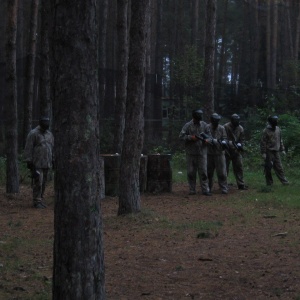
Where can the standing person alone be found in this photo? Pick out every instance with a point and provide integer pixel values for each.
(195, 134)
(38, 155)
(236, 139)
(216, 154)
(270, 146)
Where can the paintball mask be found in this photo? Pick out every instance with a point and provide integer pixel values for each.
(235, 120)
(197, 114)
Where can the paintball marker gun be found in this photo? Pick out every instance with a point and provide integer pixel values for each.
(223, 144)
(205, 138)
(238, 146)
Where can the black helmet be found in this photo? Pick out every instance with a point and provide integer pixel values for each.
(235, 120)
(197, 114)
(215, 118)
(273, 120)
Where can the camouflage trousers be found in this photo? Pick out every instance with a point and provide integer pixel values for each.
(273, 159)
(39, 185)
(237, 166)
(197, 164)
(217, 162)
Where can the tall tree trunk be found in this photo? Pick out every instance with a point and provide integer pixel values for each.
(220, 87)
(289, 31)
(254, 54)
(122, 63)
(111, 59)
(208, 77)
(11, 130)
(78, 271)
(103, 9)
(157, 105)
(268, 44)
(195, 23)
(129, 199)
(150, 71)
(273, 71)
(297, 36)
(30, 68)
(45, 102)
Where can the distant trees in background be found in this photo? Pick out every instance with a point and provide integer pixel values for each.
(253, 54)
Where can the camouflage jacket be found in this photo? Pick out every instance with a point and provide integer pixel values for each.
(217, 134)
(39, 148)
(190, 129)
(234, 135)
(271, 140)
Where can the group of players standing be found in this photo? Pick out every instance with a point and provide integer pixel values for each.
(211, 147)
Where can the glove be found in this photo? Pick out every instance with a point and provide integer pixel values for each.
(283, 152)
(29, 165)
(193, 138)
(264, 156)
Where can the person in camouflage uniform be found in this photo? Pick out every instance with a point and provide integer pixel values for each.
(196, 151)
(216, 154)
(236, 139)
(38, 155)
(270, 146)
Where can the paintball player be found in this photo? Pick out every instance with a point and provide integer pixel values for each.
(196, 135)
(38, 155)
(216, 153)
(236, 139)
(270, 146)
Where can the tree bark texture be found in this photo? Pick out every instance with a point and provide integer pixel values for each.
(103, 8)
(45, 100)
(121, 85)
(129, 199)
(208, 78)
(221, 81)
(78, 271)
(11, 114)
(268, 44)
(297, 35)
(30, 69)
(274, 9)
(254, 54)
(195, 23)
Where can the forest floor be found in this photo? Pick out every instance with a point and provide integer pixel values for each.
(180, 247)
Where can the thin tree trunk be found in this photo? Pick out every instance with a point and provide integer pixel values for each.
(103, 9)
(297, 35)
(195, 23)
(28, 99)
(268, 44)
(78, 271)
(289, 32)
(129, 199)
(254, 33)
(122, 63)
(220, 87)
(45, 102)
(274, 43)
(208, 77)
(11, 130)
(157, 112)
